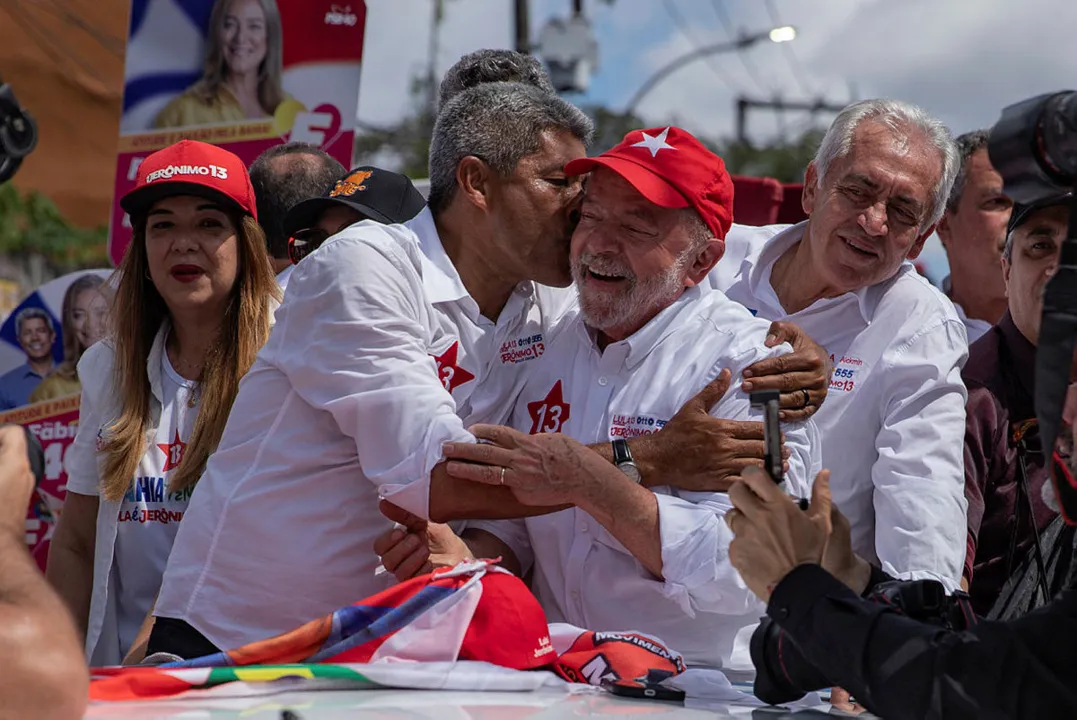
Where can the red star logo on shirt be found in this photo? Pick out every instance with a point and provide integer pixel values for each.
(550, 414)
(173, 452)
(451, 375)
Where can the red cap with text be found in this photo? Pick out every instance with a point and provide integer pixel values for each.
(672, 169)
(192, 168)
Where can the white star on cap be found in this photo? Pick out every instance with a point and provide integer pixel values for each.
(654, 144)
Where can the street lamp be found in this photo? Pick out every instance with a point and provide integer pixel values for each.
(785, 33)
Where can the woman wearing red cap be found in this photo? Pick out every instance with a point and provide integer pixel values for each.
(191, 310)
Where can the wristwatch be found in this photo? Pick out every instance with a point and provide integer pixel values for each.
(622, 458)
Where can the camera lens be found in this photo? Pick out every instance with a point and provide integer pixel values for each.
(18, 134)
(1060, 133)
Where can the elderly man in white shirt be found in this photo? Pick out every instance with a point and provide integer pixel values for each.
(893, 424)
(644, 340)
(387, 344)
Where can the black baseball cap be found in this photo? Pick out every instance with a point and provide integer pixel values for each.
(1021, 213)
(380, 195)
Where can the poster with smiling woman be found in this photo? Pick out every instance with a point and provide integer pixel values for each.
(41, 343)
(243, 74)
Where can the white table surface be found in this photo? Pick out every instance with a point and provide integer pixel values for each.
(432, 704)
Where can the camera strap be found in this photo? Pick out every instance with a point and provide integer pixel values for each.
(1024, 502)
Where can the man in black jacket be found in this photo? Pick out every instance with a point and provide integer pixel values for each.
(801, 563)
(1006, 484)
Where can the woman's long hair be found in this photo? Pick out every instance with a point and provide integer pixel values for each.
(138, 311)
(73, 347)
(215, 70)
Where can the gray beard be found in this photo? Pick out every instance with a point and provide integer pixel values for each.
(640, 299)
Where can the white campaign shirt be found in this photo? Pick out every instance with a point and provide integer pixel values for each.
(377, 359)
(134, 536)
(149, 515)
(583, 575)
(283, 277)
(893, 423)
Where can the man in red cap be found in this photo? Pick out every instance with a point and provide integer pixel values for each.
(643, 342)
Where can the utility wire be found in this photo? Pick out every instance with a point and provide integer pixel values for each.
(795, 65)
(745, 59)
(683, 26)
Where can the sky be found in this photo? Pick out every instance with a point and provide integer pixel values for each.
(962, 60)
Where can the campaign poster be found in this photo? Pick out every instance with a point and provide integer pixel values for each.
(55, 423)
(41, 342)
(242, 74)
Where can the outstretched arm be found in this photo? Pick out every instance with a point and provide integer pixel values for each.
(44, 673)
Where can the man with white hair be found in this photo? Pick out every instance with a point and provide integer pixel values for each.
(643, 341)
(893, 424)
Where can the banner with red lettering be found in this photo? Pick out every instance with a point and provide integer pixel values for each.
(242, 74)
(55, 423)
(41, 343)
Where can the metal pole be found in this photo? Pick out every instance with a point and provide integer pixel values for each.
(437, 17)
(577, 8)
(688, 59)
(523, 33)
(742, 113)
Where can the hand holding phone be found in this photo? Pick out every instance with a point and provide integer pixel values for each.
(770, 402)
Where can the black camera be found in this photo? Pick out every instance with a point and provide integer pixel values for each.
(783, 674)
(1034, 147)
(18, 133)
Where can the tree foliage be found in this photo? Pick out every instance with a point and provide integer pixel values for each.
(32, 225)
(781, 160)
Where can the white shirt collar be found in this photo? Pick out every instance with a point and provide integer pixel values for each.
(759, 280)
(639, 344)
(440, 279)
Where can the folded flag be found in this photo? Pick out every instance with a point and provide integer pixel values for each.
(475, 611)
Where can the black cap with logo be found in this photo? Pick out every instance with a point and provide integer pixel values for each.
(1021, 213)
(380, 195)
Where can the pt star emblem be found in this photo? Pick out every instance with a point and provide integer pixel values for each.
(656, 143)
(451, 375)
(173, 452)
(550, 414)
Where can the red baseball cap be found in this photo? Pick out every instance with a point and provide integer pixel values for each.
(508, 627)
(192, 168)
(672, 169)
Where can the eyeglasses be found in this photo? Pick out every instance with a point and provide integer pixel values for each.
(304, 242)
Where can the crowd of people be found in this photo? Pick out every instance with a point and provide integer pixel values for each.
(550, 361)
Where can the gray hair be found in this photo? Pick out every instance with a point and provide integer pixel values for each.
(903, 119)
(32, 313)
(487, 66)
(499, 123)
(967, 145)
(698, 232)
